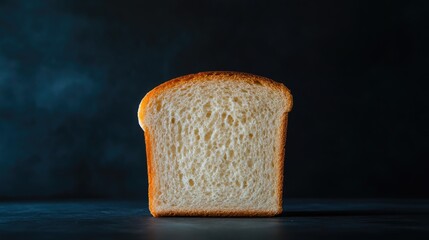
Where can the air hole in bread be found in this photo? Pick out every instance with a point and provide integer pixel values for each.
(207, 136)
(191, 182)
(229, 120)
(207, 106)
(231, 153)
(237, 183)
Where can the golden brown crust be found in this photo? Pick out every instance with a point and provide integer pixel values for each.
(281, 157)
(150, 169)
(207, 76)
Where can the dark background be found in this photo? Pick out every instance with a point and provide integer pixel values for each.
(72, 74)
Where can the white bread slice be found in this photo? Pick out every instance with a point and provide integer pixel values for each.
(215, 145)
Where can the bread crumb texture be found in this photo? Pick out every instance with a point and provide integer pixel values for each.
(216, 144)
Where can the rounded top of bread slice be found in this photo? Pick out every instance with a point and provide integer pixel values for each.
(213, 76)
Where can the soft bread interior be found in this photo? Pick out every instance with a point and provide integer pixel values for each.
(216, 145)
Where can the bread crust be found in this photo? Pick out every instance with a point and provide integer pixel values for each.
(208, 76)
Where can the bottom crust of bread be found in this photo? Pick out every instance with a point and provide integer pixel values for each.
(216, 213)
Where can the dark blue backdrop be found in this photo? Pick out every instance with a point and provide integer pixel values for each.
(72, 74)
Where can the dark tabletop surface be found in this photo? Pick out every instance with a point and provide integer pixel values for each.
(302, 219)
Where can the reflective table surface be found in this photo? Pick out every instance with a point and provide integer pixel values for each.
(302, 219)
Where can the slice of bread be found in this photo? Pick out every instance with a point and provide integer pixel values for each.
(215, 145)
